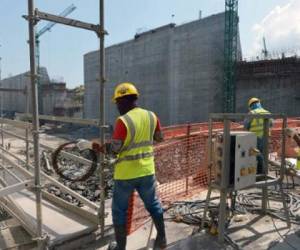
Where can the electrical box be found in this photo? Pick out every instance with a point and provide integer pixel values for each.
(242, 159)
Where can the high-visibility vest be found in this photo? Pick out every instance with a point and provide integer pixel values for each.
(136, 158)
(257, 124)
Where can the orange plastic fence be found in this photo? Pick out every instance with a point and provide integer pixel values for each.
(181, 164)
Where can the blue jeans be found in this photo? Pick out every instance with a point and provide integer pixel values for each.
(145, 186)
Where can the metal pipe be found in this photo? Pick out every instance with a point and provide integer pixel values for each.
(86, 122)
(64, 153)
(265, 163)
(85, 201)
(1, 103)
(282, 166)
(210, 145)
(224, 180)
(188, 158)
(102, 112)
(26, 129)
(35, 120)
(4, 168)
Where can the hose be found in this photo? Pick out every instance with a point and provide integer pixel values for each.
(56, 158)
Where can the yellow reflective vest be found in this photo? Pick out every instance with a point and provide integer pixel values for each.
(136, 158)
(257, 124)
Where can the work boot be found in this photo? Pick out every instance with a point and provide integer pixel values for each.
(121, 236)
(160, 241)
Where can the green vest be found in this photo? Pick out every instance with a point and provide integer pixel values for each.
(257, 124)
(136, 158)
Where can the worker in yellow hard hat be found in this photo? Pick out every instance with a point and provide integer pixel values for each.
(132, 143)
(257, 126)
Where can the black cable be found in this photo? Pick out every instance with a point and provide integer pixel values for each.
(283, 238)
(60, 171)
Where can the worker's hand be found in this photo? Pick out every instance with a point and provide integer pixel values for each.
(84, 144)
(98, 148)
(290, 132)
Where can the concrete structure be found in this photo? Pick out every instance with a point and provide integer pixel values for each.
(178, 70)
(275, 82)
(16, 101)
(54, 94)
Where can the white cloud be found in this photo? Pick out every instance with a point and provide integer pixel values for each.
(281, 28)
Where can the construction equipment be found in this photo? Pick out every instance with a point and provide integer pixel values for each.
(230, 54)
(234, 157)
(46, 28)
(242, 159)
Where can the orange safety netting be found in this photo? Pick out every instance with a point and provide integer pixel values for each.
(181, 164)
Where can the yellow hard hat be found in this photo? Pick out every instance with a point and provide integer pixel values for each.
(123, 89)
(252, 100)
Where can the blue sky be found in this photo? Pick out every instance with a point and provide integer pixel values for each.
(62, 49)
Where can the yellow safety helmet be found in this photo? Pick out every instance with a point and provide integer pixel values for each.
(123, 89)
(252, 100)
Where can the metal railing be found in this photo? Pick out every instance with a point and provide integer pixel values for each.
(33, 17)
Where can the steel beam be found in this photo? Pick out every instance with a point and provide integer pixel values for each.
(18, 124)
(64, 153)
(35, 121)
(93, 122)
(15, 188)
(102, 80)
(85, 201)
(66, 21)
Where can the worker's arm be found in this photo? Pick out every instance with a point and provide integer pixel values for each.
(119, 135)
(247, 123)
(158, 134)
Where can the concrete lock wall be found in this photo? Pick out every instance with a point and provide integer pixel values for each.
(16, 101)
(275, 82)
(177, 69)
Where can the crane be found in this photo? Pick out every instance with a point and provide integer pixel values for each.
(38, 34)
(230, 55)
(265, 52)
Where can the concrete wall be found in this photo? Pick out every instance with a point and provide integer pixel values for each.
(275, 82)
(16, 101)
(53, 93)
(177, 69)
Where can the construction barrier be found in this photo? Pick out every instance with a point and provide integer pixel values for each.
(181, 164)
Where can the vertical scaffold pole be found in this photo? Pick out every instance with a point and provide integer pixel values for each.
(102, 112)
(35, 118)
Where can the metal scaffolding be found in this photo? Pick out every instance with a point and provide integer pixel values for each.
(33, 17)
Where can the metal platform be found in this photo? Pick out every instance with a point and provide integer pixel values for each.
(61, 221)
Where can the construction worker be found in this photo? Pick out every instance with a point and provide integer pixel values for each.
(132, 143)
(292, 145)
(257, 126)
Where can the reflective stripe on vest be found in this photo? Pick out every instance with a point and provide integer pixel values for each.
(257, 124)
(136, 158)
(132, 144)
